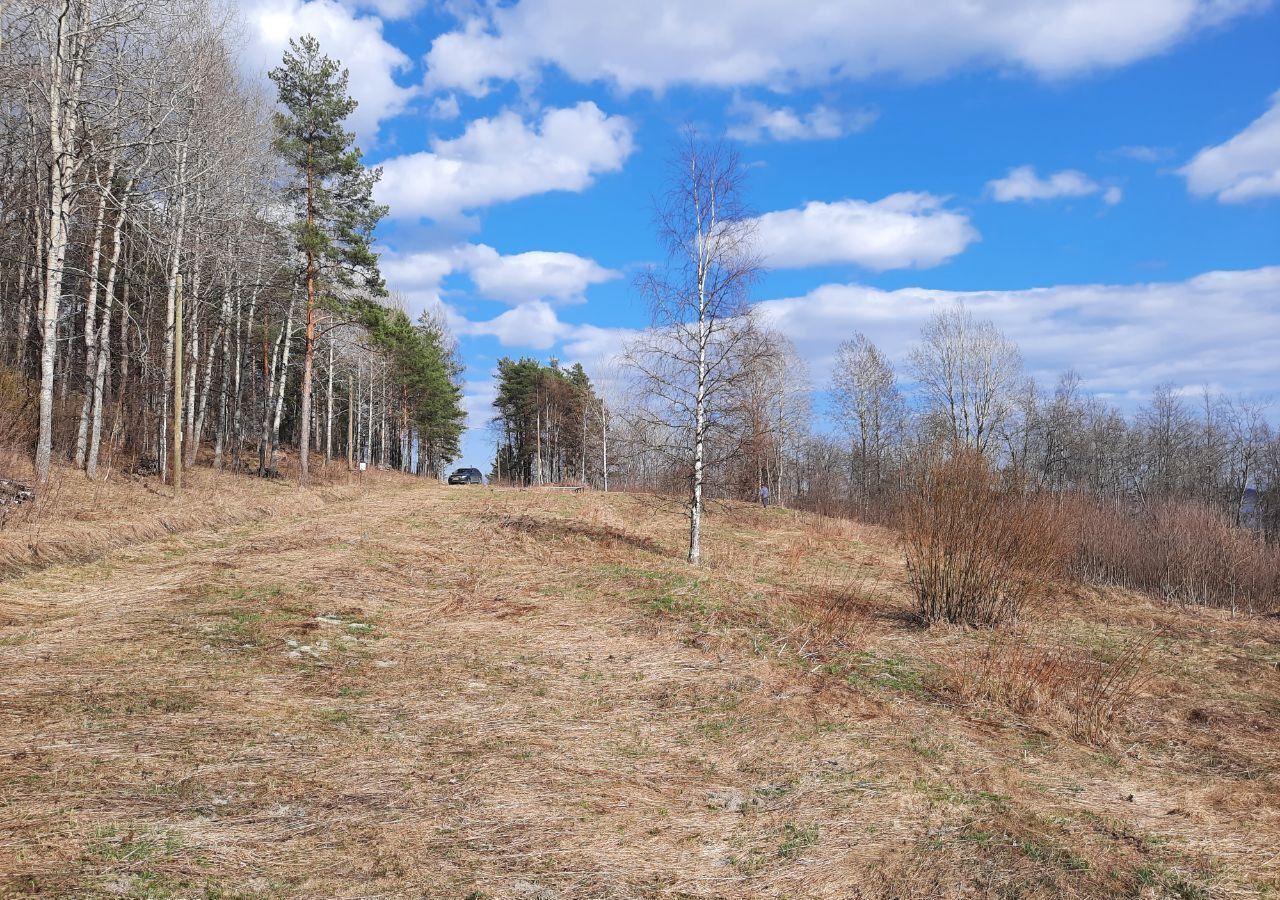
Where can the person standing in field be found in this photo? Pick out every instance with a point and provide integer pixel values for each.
(764, 495)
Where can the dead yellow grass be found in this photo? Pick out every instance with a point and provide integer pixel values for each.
(74, 519)
(481, 693)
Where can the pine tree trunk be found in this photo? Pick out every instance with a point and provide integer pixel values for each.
(328, 418)
(308, 344)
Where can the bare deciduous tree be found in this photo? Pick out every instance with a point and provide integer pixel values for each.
(969, 374)
(869, 407)
(698, 301)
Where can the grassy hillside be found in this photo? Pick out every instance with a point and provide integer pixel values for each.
(416, 691)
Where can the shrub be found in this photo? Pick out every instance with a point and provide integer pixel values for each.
(1178, 551)
(979, 549)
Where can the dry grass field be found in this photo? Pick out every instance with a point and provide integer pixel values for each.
(394, 689)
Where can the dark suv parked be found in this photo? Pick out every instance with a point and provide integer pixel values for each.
(466, 476)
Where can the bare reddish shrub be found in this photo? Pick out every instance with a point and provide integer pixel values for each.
(1178, 551)
(979, 549)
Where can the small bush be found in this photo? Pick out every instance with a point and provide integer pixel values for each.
(979, 549)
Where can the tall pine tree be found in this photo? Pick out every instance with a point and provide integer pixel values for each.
(330, 188)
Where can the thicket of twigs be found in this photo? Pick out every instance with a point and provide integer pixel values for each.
(1082, 690)
(979, 549)
(1179, 551)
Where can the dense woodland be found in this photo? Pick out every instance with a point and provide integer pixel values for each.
(149, 196)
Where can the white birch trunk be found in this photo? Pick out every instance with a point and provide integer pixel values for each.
(67, 49)
(287, 334)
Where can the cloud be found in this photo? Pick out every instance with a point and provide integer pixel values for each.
(519, 278)
(505, 158)
(534, 325)
(1247, 167)
(760, 122)
(1220, 327)
(391, 9)
(538, 326)
(906, 230)
(536, 275)
(444, 108)
(1141, 153)
(597, 347)
(355, 40)
(761, 42)
(1023, 183)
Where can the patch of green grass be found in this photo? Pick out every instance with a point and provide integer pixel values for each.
(17, 640)
(929, 749)
(131, 846)
(242, 629)
(797, 839)
(135, 703)
(1174, 884)
(976, 836)
(937, 792)
(892, 673)
(721, 728)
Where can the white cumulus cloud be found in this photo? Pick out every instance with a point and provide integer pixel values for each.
(535, 275)
(905, 230)
(355, 40)
(1220, 327)
(758, 121)
(762, 42)
(534, 325)
(1022, 183)
(1247, 167)
(504, 158)
(516, 279)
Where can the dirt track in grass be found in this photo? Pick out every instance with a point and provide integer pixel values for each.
(429, 692)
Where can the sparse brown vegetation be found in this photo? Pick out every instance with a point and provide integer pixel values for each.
(1081, 691)
(1179, 551)
(979, 550)
(442, 693)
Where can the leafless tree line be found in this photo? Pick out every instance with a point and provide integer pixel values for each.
(713, 402)
(138, 178)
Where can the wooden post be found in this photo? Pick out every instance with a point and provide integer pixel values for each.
(177, 386)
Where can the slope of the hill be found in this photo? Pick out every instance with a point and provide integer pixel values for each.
(477, 693)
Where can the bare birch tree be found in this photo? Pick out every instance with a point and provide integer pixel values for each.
(698, 300)
(969, 374)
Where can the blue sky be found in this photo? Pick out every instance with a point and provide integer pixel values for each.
(1101, 179)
